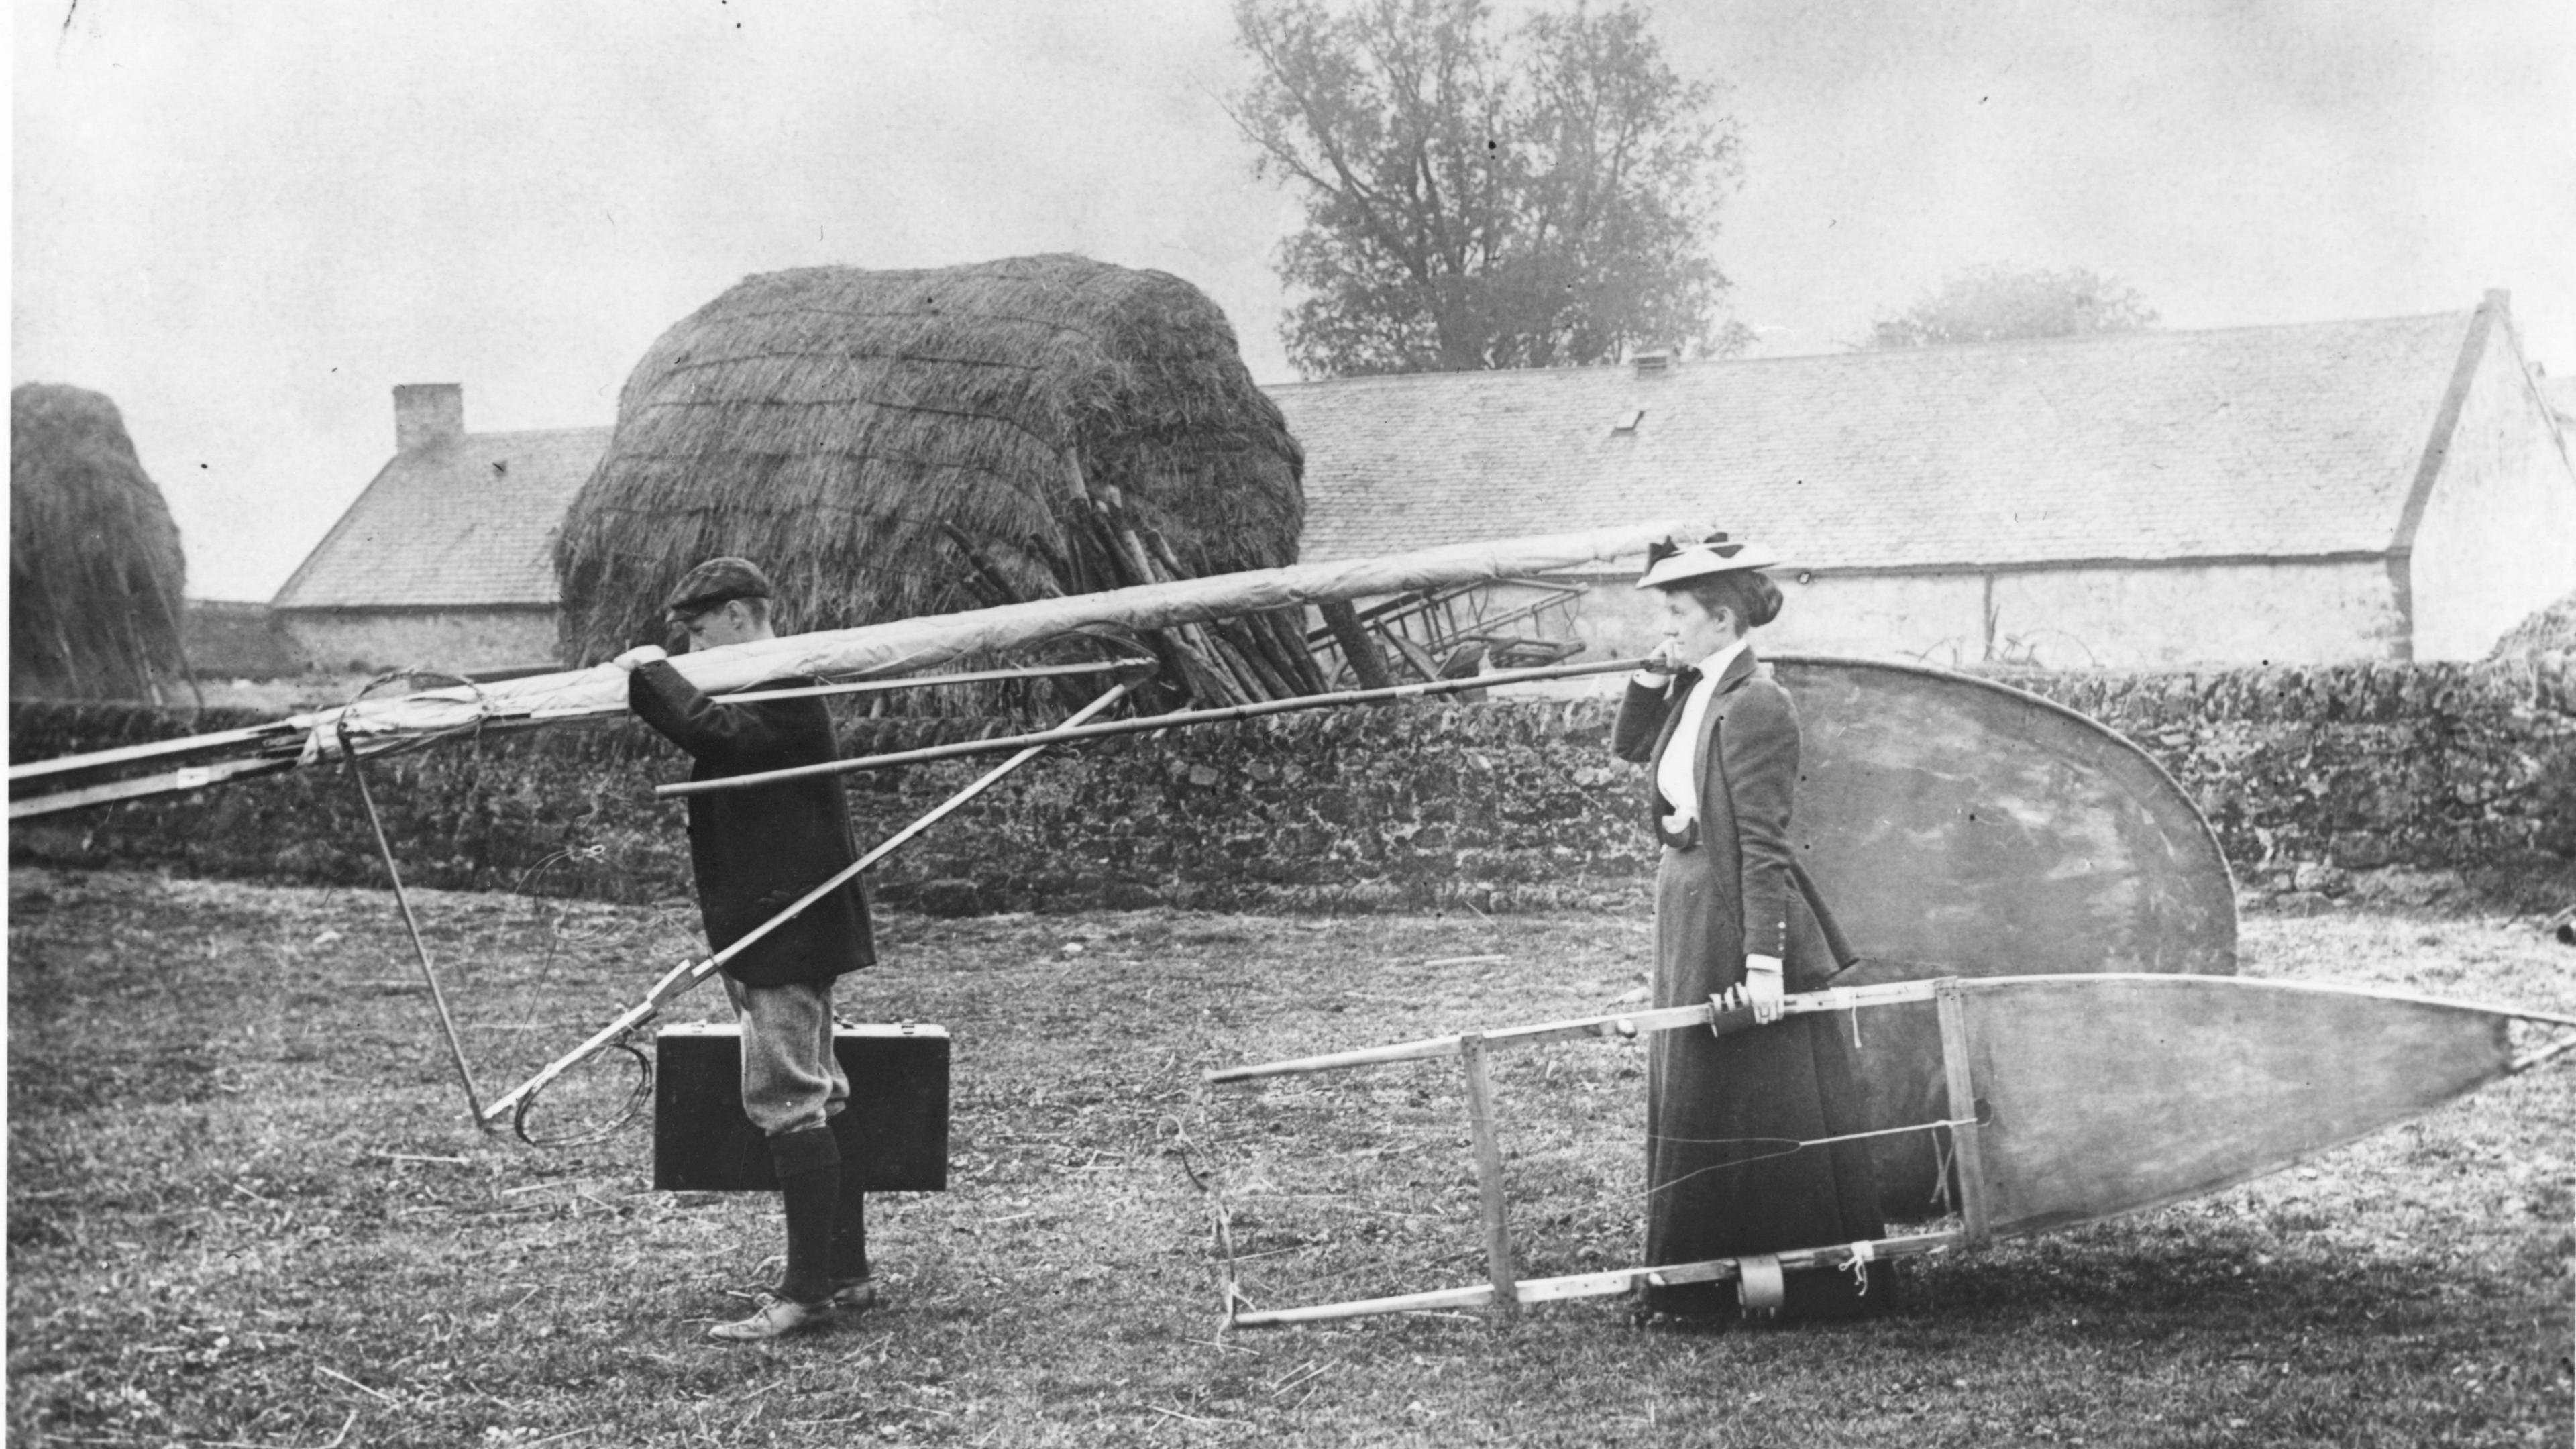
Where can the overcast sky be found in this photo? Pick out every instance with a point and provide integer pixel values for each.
(247, 223)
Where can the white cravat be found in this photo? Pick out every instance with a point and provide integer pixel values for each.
(1677, 775)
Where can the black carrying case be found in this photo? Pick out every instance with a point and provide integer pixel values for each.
(896, 1123)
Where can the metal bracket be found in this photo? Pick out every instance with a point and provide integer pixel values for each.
(1761, 1286)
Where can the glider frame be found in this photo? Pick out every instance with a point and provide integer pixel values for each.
(1504, 1291)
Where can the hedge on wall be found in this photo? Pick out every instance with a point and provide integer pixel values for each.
(1501, 806)
(1355, 809)
(2355, 767)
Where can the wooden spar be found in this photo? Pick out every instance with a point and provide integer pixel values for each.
(1489, 1174)
(195, 777)
(1967, 1142)
(186, 777)
(1607, 1284)
(1624, 1024)
(133, 754)
(913, 646)
(680, 979)
(923, 681)
(1148, 724)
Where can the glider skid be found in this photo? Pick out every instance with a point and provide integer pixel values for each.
(1616, 1281)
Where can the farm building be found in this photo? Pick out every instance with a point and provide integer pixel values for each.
(447, 559)
(2378, 489)
(2384, 489)
(234, 640)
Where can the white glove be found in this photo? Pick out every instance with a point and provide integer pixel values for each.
(641, 654)
(1762, 988)
(1665, 661)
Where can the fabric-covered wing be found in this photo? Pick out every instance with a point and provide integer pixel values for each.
(1959, 827)
(2107, 1094)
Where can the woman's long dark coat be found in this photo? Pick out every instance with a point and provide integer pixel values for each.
(757, 850)
(1714, 1108)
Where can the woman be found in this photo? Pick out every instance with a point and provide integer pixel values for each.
(1730, 921)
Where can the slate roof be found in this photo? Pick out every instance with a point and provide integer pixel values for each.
(2266, 441)
(2292, 441)
(465, 523)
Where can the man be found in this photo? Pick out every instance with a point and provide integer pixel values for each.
(755, 852)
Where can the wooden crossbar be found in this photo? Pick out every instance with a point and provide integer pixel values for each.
(1489, 1174)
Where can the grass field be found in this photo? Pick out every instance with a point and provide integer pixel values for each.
(245, 1209)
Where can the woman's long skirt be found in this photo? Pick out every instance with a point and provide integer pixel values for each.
(1722, 1176)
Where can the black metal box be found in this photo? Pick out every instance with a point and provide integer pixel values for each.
(897, 1120)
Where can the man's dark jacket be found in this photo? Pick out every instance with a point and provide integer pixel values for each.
(757, 850)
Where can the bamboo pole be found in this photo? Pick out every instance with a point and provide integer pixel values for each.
(1149, 724)
(419, 947)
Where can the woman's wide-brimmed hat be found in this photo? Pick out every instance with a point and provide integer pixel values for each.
(1673, 563)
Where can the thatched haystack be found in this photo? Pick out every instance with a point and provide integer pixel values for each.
(2551, 630)
(96, 577)
(892, 444)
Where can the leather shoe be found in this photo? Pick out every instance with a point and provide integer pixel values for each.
(776, 1318)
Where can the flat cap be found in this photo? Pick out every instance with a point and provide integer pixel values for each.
(714, 582)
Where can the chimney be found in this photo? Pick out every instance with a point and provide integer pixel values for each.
(1652, 362)
(427, 414)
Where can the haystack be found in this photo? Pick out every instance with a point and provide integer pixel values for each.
(899, 443)
(2550, 630)
(96, 578)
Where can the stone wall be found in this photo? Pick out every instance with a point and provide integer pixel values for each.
(2314, 776)
(2318, 781)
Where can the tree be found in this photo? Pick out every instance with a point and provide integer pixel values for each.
(1992, 303)
(1537, 199)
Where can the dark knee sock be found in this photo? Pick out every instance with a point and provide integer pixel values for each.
(809, 1178)
(850, 1220)
(850, 1233)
